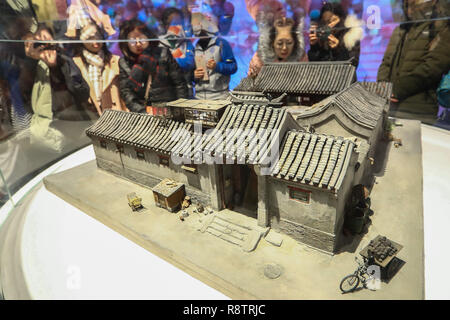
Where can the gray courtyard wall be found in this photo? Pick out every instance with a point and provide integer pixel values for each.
(149, 172)
(312, 223)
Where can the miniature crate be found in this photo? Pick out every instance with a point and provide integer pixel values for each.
(169, 194)
(386, 261)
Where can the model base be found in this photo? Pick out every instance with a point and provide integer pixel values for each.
(229, 252)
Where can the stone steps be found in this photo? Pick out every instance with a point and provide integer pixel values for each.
(239, 233)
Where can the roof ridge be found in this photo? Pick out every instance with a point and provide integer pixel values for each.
(305, 78)
(356, 102)
(321, 135)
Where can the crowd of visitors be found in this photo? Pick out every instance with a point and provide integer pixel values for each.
(184, 55)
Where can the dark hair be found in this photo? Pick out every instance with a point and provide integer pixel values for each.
(126, 27)
(335, 8)
(78, 47)
(273, 35)
(43, 26)
(167, 13)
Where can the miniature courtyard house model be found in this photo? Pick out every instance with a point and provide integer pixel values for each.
(292, 172)
(303, 192)
(280, 172)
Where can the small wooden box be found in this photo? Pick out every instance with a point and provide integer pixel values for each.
(169, 194)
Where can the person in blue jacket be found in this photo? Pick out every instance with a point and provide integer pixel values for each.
(215, 62)
(176, 41)
(224, 11)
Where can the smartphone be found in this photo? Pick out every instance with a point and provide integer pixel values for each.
(314, 26)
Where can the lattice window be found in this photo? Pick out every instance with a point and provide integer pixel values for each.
(140, 154)
(300, 195)
(163, 160)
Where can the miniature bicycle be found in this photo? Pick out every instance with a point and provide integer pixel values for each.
(351, 282)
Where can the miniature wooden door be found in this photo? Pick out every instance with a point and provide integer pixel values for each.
(162, 201)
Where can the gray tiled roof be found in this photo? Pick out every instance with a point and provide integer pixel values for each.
(306, 158)
(247, 132)
(381, 88)
(357, 103)
(305, 77)
(246, 84)
(249, 96)
(139, 130)
(259, 123)
(201, 104)
(255, 98)
(313, 159)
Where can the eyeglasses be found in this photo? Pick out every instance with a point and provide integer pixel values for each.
(134, 41)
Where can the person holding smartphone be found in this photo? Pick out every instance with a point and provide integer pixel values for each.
(59, 91)
(214, 59)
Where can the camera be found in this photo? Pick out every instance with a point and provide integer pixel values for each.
(45, 46)
(323, 32)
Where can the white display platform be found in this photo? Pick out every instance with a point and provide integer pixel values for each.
(51, 250)
(436, 208)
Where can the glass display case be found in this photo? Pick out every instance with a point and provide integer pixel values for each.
(116, 80)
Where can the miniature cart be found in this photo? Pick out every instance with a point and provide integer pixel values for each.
(134, 201)
(169, 194)
(383, 252)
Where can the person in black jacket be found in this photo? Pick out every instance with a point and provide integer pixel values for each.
(16, 20)
(59, 95)
(59, 90)
(336, 36)
(148, 73)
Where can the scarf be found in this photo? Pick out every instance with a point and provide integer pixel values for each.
(175, 40)
(95, 67)
(145, 67)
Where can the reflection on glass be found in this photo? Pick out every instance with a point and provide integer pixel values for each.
(5, 193)
(63, 63)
